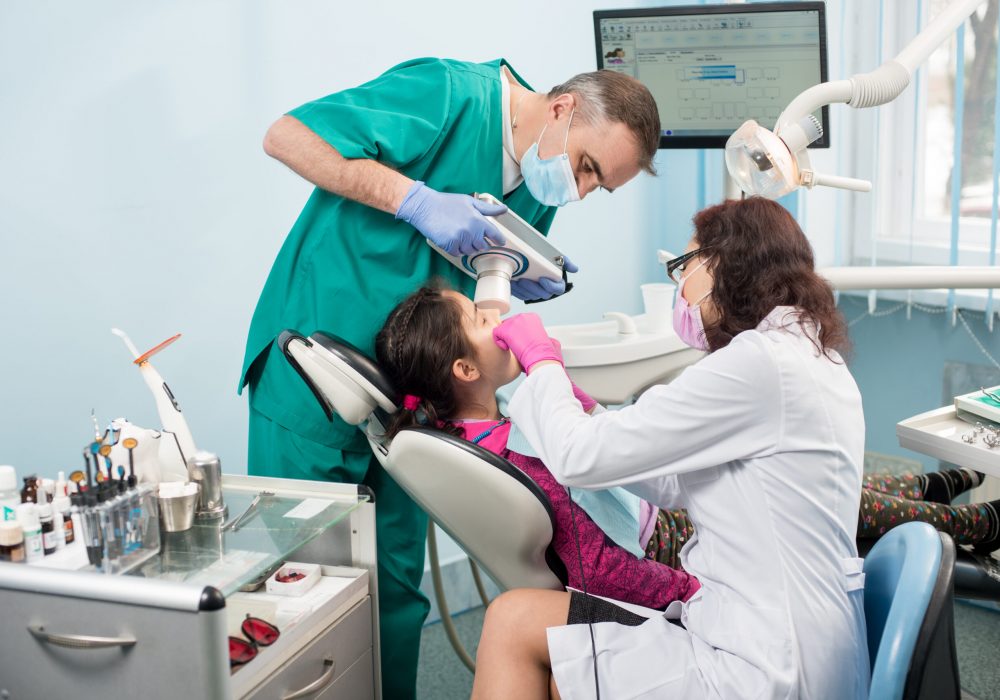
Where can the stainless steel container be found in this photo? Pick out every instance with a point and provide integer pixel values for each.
(177, 512)
(205, 469)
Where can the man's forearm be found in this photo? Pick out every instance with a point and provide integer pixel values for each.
(363, 180)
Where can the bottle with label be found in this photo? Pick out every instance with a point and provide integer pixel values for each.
(11, 542)
(64, 507)
(29, 494)
(47, 522)
(27, 517)
(9, 495)
(46, 490)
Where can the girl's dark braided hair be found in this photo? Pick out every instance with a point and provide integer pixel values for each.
(419, 342)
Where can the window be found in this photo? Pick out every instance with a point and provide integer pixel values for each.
(908, 216)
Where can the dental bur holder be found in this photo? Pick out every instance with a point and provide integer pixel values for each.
(119, 528)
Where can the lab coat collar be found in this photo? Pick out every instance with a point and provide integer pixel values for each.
(789, 319)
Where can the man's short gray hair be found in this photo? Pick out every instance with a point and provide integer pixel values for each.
(609, 96)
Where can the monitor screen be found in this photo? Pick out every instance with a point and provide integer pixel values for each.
(712, 67)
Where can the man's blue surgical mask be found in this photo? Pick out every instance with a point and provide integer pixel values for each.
(551, 181)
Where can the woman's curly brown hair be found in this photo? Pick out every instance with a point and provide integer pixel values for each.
(760, 259)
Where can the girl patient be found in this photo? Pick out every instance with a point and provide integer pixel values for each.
(438, 349)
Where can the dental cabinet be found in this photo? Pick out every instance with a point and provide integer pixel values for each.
(162, 629)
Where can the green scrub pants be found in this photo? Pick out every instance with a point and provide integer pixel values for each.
(400, 531)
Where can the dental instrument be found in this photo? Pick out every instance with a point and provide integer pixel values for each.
(247, 515)
(166, 405)
(772, 163)
(130, 444)
(526, 255)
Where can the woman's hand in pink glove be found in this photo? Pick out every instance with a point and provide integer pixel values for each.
(525, 336)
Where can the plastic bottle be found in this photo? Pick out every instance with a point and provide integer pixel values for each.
(11, 542)
(46, 490)
(48, 528)
(64, 507)
(60, 486)
(27, 517)
(10, 498)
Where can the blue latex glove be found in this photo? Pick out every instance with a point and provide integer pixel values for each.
(456, 223)
(544, 288)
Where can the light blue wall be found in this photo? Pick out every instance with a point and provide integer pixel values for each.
(899, 365)
(134, 191)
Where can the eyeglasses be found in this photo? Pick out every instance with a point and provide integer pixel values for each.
(677, 266)
(259, 633)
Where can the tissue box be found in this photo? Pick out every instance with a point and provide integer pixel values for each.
(303, 577)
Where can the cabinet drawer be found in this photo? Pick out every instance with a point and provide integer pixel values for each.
(345, 641)
(356, 683)
(183, 651)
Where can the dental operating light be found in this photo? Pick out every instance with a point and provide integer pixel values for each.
(773, 163)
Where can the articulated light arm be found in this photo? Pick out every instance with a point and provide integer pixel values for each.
(772, 164)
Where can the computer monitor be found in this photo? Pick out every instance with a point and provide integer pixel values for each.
(712, 67)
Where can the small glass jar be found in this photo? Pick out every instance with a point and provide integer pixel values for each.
(48, 528)
(11, 542)
(29, 494)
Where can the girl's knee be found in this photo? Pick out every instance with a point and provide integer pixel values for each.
(505, 610)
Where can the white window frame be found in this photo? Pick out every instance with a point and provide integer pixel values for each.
(885, 227)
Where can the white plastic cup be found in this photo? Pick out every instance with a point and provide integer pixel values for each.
(658, 302)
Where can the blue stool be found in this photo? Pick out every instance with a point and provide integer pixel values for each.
(909, 590)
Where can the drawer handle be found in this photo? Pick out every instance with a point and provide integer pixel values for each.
(317, 684)
(80, 641)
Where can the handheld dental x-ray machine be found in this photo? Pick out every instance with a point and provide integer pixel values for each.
(527, 255)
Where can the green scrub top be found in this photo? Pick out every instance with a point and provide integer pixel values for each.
(344, 266)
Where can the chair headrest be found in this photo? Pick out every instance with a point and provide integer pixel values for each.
(360, 363)
(342, 378)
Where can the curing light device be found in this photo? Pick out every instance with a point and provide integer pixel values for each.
(526, 255)
(166, 405)
(773, 163)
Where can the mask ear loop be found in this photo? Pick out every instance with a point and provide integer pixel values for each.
(704, 296)
(568, 127)
(538, 141)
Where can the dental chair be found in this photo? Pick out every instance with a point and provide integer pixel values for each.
(909, 615)
(495, 512)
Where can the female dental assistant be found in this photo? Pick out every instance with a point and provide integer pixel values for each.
(394, 161)
(762, 441)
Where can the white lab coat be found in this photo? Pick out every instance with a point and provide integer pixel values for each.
(762, 442)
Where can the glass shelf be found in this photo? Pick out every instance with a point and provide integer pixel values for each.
(206, 555)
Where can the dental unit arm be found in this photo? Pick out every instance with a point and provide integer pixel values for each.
(773, 163)
(527, 255)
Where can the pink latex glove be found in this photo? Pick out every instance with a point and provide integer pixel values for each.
(525, 336)
(583, 397)
(558, 346)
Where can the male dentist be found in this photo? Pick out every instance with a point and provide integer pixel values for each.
(393, 162)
